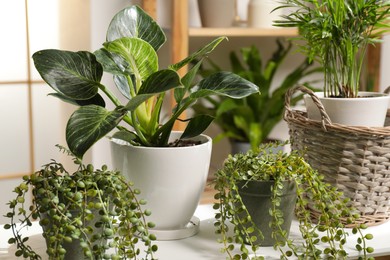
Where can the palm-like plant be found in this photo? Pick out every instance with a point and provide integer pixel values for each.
(337, 34)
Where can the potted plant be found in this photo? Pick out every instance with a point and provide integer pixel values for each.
(247, 122)
(79, 213)
(245, 223)
(337, 33)
(130, 56)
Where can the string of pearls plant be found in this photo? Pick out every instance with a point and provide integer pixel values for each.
(97, 208)
(240, 236)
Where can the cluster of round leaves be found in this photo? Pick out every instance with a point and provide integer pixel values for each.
(322, 237)
(96, 208)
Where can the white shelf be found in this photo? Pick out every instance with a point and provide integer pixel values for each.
(242, 32)
(204, 245)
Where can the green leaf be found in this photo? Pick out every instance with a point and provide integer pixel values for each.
(112, 62)
(96, 100)
(140, 55)
(226, 106)
(133, 22)
(200, 54)
(160, 81)
(136, 101)
(196, 126)
(75, 75)
(87, 125)
(225, 84)
(122, 85)
(125, 136)
(187, 82)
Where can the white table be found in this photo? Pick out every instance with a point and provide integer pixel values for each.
(204, 245)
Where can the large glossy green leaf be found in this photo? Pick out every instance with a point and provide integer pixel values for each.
(140, 55)
(160, 81)
(133, 22)
(112, 62)
(87, 125)
(75, 75)
(225, 84)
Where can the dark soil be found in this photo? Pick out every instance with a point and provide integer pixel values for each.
(183, 143)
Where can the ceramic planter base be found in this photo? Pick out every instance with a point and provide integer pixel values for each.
(189, 230)
(171, 180)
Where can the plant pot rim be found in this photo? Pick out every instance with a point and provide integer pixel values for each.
(205, 139)
(363, 96)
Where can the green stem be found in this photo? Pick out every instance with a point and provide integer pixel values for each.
(138, 130)
(110, 95)
(174, 117)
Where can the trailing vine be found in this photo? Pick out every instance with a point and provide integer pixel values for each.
(241, 238)
(97, 208)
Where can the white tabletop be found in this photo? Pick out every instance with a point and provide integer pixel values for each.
(204, 245)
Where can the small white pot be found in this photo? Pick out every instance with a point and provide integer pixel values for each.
(261, 14)
(171, 179)
(216, 13)
(368, 110)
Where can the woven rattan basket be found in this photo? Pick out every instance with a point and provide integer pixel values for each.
(355, 159)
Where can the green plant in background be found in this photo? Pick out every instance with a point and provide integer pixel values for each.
(337, 33)
(323, 240)
(251, 119)
(96, 208)
(130, 56)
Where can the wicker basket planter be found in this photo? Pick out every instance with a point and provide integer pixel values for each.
(356, 159)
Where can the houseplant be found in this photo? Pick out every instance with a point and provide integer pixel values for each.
(79, 212)
(130, 56)
(336, 33)
(251, 119)
(234, 181)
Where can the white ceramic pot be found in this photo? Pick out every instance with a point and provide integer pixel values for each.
(368, 110)
(170, 179)
(261, 14)
(216, 13)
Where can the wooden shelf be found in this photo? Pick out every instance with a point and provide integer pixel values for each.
(242, 32)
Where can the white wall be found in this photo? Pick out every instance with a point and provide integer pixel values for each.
(385, 63)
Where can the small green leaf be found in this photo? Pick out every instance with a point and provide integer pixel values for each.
(196, 126)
